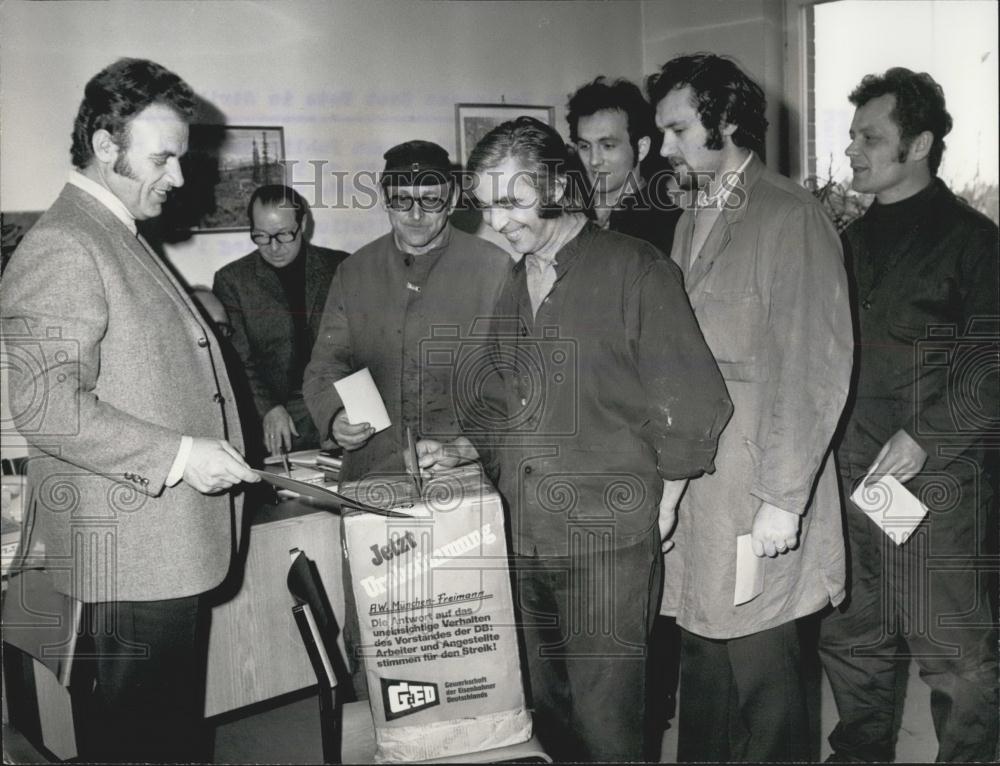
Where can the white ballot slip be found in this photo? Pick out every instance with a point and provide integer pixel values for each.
(892, 506)
(362, 401)
(749, 572)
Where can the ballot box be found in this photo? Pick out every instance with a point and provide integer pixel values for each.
(438, 632)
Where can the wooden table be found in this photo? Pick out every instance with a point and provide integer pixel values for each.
(254, 649)
(255, 652)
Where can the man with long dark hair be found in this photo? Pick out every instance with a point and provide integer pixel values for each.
(764, 271)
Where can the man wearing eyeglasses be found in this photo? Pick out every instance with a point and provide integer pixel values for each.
(423, 284)
(420, 280)
(274, 297)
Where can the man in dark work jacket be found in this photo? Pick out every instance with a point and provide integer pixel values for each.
(387, 302)
(612, 128)
(597, 398)
(274, 297)
(925, 410)
(393, 297)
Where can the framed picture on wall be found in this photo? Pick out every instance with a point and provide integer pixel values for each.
(222, 167)
(473, 121)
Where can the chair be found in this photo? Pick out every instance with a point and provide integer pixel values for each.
(347, 729)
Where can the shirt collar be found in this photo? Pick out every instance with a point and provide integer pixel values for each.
(105, 197)
(722, 194)
(539, 262)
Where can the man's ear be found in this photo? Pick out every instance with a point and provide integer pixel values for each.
(104, 146)
(727, 130)
(643, 145)
(920, 146)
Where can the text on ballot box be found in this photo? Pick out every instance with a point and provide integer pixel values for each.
(438, 632)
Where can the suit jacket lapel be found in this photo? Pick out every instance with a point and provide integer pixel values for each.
(266, 280)
(714, 246)
(161, 273)
(680, 252)
(315, 292)
(721, 234)
(96, 211)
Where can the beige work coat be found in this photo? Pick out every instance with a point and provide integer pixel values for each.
(769, 290)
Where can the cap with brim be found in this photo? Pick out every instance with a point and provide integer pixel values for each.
(416, 163)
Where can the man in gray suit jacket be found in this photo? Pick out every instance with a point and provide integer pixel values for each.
(274, 297)
(119, 387)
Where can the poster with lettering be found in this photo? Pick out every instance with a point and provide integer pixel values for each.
(439, 636)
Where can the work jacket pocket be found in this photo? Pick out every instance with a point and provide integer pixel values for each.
(734, 326)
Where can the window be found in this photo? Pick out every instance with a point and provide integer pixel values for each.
(953, 40)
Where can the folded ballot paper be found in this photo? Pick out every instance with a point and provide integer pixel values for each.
(438, 633)
(749, 572)
(362, 400)
(890, 505)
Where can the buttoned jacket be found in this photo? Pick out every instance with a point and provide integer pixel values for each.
(263, 327)
(769, 290)
(110, 364)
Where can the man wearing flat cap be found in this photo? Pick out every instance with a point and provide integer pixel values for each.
(421, 279)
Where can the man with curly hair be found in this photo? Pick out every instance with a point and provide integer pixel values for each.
(764, 271)
(611, 126)
(924, 411)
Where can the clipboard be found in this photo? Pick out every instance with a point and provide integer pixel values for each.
(325, 496)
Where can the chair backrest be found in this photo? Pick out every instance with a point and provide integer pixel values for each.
(313, 616)
(318, 629)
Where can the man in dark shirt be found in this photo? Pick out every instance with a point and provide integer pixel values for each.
(392, 298)
(924, 411)
(613, 130)
(275, 297)
(596, 402)
(421, 286)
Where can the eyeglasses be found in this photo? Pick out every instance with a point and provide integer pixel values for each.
(429, 204)
(263, 239)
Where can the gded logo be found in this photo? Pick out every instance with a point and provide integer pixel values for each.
(401, 698)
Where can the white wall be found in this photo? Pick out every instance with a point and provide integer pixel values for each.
(347, 79)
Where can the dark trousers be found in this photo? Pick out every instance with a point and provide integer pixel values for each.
(138, 684)
(919, 601)
(586, 623)
(664, 674)
(742, 699)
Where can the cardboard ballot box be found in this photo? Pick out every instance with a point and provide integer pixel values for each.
(438, 632)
